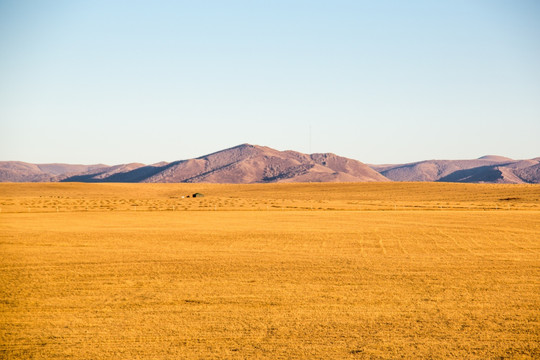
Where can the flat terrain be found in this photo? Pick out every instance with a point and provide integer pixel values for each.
(284, 271)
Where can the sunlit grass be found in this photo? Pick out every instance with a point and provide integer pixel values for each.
(269, 271)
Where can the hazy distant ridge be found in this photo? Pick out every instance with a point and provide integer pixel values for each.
(259, 164)
(487, 169)
(240, 164)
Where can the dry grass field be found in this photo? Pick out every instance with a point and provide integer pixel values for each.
(285, 271)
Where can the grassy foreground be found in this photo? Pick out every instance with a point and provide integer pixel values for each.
(287, 271)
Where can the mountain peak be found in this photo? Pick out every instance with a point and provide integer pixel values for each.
(244, 163)
(494, 158)
(248, 163)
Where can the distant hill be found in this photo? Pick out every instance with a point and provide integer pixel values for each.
(487, 169)
(18, 171)
(259, 164)
(241, 164)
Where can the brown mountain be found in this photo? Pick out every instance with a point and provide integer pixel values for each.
(18, 171)
(240, 164)
(258, 164)
(487, 169)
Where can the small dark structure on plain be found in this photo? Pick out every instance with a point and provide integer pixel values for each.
(198, 195)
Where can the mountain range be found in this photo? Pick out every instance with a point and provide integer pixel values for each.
(259, 164)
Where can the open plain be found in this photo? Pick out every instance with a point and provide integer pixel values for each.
(270, 271)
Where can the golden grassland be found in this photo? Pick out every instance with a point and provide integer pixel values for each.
(274, 271)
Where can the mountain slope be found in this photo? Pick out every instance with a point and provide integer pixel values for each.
(255, 164)
(240, 164)
(18, 171)
(487, 169)
(259, 164)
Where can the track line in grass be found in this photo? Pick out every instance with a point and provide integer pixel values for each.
(437, 245)
(453, 239)
(525, 239)
(419, 243)
(521, 247)
(400, 244)
(360, 242)
(381, 245)
(481, 251)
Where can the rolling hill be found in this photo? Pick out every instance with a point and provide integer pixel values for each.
(18, 171)
(486, 169)
(240, 164)
(245, 164)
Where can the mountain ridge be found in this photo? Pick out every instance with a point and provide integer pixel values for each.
(486, 169)
(246, 163)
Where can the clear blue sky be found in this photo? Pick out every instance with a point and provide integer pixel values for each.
(107, 81)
